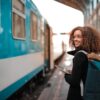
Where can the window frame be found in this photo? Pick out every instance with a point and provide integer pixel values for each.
(22, 15)
(36, 26)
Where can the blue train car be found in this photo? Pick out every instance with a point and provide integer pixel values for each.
(22, 44)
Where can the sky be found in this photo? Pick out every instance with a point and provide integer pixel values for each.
(60, 17)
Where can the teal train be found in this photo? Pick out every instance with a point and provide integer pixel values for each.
(24, 45)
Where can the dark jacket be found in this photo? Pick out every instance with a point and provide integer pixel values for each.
(79, 72)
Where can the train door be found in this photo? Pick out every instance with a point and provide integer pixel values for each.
(48, 47)
(51, 50)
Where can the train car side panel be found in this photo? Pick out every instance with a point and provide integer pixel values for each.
(21, 58)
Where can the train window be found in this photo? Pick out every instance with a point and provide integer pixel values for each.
(33, 26)
(18, 19)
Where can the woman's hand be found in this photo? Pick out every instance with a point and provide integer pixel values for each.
(66, 71)
(94, 56)
(69, 71)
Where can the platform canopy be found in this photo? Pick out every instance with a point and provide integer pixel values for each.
(77, 4)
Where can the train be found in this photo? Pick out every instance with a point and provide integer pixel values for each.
(25, 45)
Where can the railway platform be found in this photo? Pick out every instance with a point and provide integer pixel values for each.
(57, 88)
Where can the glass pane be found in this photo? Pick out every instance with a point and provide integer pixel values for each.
(33, 26)
(18, 26)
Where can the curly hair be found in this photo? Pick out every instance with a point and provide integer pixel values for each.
(91, 39)
(71, 42)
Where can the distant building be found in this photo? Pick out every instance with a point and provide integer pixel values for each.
(92, 14)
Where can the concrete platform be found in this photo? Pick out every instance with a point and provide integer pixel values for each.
(58, 87)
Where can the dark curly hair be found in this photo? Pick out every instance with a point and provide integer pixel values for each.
(91, 39)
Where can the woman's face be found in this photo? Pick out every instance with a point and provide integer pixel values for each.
(77, 38)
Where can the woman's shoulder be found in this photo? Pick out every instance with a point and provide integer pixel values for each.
(80, 58)
(81, 55)
(74, 52)
(82, 51)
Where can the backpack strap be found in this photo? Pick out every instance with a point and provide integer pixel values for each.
(83, 52)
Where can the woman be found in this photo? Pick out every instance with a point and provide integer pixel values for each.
(82, 39)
